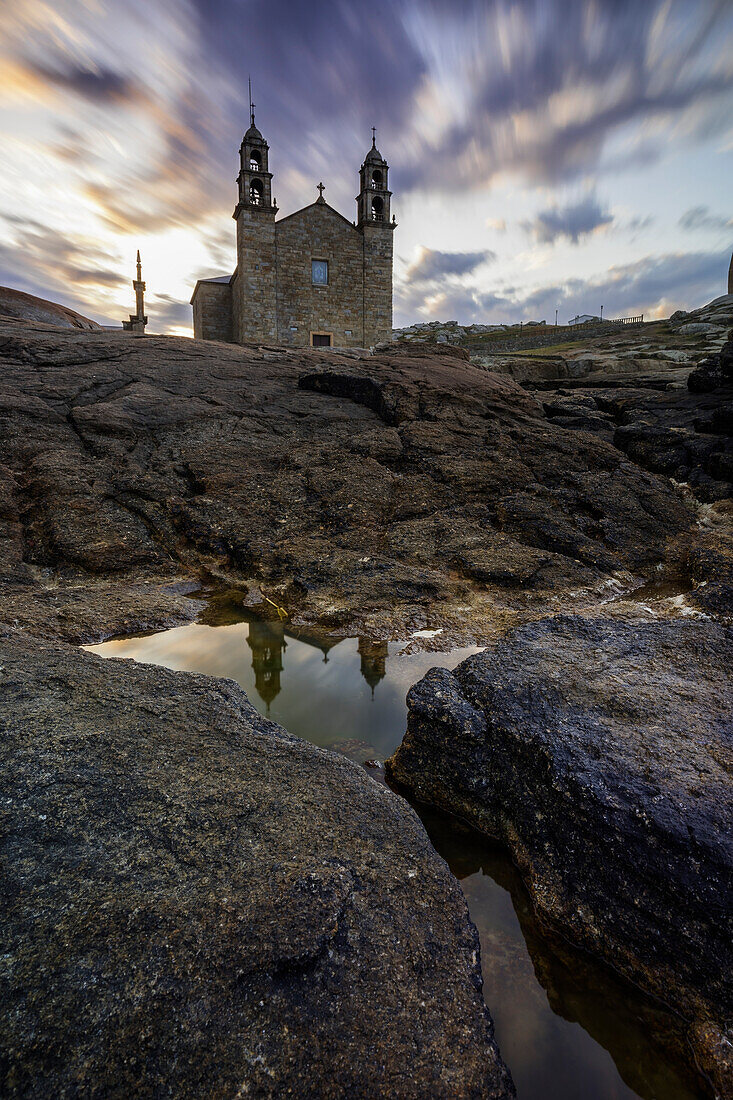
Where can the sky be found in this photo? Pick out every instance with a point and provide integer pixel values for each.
(544, 154)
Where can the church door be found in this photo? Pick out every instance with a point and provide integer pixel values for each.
(321, 340)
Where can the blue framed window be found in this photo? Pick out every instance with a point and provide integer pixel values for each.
(319, 272)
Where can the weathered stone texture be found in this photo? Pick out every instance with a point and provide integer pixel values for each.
(255, 310)
(600, 752)
(273, 297)
(212, 312)
(378, 246)
(196, 904)
(320, 233)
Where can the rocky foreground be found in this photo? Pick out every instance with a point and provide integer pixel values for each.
(383, 494)
(199, 903)
(601, 753)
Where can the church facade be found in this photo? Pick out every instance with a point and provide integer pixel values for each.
(312, 278)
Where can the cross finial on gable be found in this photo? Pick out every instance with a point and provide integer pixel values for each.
(320, 188)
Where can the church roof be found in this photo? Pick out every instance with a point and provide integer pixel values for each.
(253, 132)
(373, 155)
(215, 279)
(323, 206)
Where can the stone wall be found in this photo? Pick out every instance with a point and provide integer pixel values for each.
(542, 338)
(255, 294)
(320, 233)
(378, 238)
(212, 312)
(272, 299)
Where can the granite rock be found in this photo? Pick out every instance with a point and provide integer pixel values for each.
(346, 487)
(600, 751)
(197, 904)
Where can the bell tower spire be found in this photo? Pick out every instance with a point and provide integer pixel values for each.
(254, 280)
(373, 208)
(254, 179)
(374, 196)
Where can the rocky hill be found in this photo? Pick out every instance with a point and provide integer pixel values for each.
(660, 352)
(16, 305)
(389, 492)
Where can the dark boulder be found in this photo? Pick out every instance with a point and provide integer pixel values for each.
(196, 904)
(600, 751)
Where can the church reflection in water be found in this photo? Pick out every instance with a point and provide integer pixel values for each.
(269, 640)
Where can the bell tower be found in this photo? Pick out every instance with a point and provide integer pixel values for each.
(374, 195)
(253, 301)
(373, 222)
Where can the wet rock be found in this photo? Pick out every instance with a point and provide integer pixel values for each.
(600, 752)
(197, 904)
(706, 377)
(340, 482)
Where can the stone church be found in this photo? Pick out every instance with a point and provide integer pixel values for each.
(311, 279)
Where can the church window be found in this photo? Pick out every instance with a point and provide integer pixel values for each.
(377, 210)
(319, 272)
(321, 339)
(254, 161)
(255, 192)
(376, 180)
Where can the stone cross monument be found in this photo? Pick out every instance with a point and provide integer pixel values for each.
(138, 320)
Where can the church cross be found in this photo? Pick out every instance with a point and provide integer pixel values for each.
(320, 188)
(374, 137)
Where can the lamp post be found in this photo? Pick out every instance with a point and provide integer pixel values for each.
(555, 318)
(601, 312)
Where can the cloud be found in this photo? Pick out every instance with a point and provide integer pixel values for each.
(432, 266)
(654, 285)
(167, 312)
(700, 217)
(97, 85)
(573, 221)
(546, 86)
(637, 224)
(648, 285)
(46, 262)
(126, 119)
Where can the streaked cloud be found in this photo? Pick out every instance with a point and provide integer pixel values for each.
(700, 217)
(432, 265)
(121, 126)
(573, 221)
(655, 285)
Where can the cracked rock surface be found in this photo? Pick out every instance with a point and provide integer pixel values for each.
(601, 752)
(197, 904)
(393, 488)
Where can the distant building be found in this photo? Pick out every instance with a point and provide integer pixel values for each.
(583, 318)
(312, 278)
(138, 320)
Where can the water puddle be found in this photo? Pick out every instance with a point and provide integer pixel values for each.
(567, 1027)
